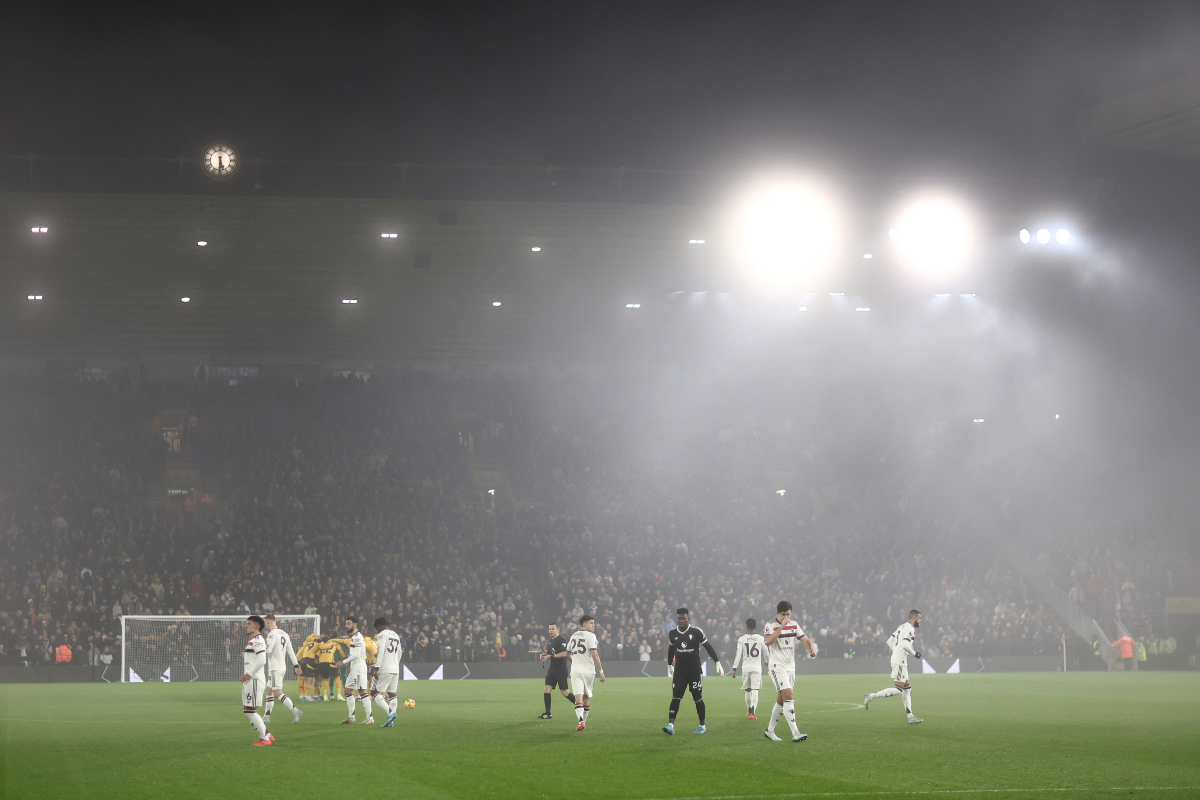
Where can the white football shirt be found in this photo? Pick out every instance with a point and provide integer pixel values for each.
(254, 658)
(782, 653)
(749, 653)
(387, 659)
(358, 651)
(279, 650)
(901, 642)
(580, 646)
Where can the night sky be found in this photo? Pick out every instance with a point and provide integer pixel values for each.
(859, 88)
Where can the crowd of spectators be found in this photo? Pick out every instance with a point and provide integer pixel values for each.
(355, 496)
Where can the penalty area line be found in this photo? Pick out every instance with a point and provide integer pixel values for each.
(932, 792)
(142, 722)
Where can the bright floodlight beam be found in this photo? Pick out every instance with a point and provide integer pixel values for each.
(935, 236)
(786, 234)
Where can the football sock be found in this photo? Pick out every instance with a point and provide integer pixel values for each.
(337, 685)
(570, 697)
(270, 706)
(674, 710)
(350, 706)
(700, 710)
(892, 692)
(324, 687)
(579, 711)
(257, 723)
(392, 704)
(547, 696)
(288, 704)
(382, 702)
(586, 710)
(908, 701)
(776, 711)
(752, 700)
(365, 699)
(789, 713)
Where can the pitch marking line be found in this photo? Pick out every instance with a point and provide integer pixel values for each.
(910, 792)
(143, 722)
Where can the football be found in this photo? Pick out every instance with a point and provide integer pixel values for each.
(410, 703)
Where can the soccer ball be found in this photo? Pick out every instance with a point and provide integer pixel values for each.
(410, 703)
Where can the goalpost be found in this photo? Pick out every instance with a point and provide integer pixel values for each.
(196, 648)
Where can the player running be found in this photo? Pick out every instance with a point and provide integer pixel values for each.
(585, 665)
(279, 650)
(557, 675)
(749, 655)
(901, 642)
(684, 666)
(387, 669)
(356, 672)
(781, 635)
(254, 660)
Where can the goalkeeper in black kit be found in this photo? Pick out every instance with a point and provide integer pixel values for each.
(683, 663)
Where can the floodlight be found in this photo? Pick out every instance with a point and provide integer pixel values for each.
(496, 303)
(942, 294)
(863, 308)
(695, 241)
(1063, 236)
(1024, 236)
(804, 308)
(633, 305)
(39, 230)
(786, 233)
(349, 301)
(388, 235)
(935, 235)
(867, 255)
(1043, 236)
(536, 249)
(202, 244)
(781, 492)
(978, 420)
(185, 299)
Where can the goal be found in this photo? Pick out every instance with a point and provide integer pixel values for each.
(196, 648)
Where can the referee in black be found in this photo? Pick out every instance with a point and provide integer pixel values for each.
(683, 662)
(559, 673)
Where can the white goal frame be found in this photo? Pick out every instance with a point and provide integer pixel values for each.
(315, 619)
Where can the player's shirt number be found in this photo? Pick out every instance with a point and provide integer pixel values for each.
(578, 647)
(751, 649)
(391, 645)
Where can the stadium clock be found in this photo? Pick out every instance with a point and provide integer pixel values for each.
(220, 161)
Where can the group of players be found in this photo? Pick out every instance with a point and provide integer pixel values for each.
(574, 665)
(269, 650)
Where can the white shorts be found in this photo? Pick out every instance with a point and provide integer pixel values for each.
(274, 678)
(752, 679)
(581, 683)
(782, 677)
(387, 682)
(252, 693)
(356, 677)
(900, 671)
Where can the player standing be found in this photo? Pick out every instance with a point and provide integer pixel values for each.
(326, 656)
(279, 650)
(781, 635)
(585, 664)
(387, 669)
(901, 642)
(684, 665)
(254, 660)
(356, 672)
(749, 655)
(557, 675)
(307, 670)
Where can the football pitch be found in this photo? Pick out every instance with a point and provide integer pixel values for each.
(999, 735)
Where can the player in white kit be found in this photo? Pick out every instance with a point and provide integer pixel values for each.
(279, 651)
(901, 642)
(780, 637)
(356, 673)
(254, 681)
(585, 665)
(387, 669)
(750, 648)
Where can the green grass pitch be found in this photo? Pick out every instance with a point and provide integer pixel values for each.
(1028, 735)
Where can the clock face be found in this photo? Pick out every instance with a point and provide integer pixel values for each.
(220, 161)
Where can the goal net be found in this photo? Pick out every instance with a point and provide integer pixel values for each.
(196, 648)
